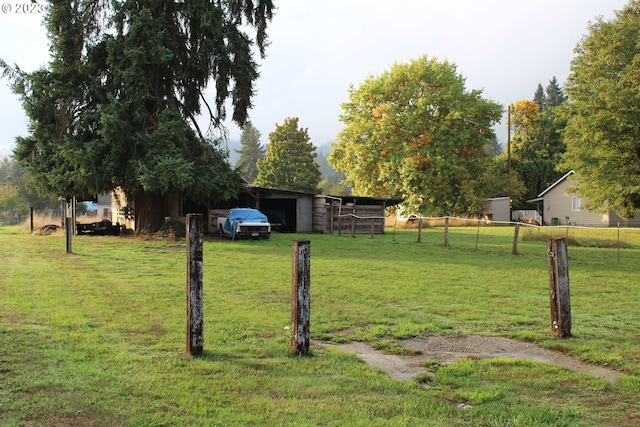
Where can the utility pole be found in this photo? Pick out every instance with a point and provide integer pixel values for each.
(509, 141)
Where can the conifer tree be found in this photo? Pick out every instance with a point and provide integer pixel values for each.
(117, 104)
(290, 161)
(250, 152)
(540, 98)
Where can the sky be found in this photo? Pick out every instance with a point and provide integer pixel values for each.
(319, 48)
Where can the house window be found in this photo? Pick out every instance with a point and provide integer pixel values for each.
(576, 202)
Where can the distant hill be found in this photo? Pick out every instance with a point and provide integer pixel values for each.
(327, 171)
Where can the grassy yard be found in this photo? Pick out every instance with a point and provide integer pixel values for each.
(97, 337)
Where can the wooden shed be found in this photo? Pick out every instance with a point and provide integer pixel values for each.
(350, 214)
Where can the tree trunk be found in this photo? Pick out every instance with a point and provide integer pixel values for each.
(150, 209)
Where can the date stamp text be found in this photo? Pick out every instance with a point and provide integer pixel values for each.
(22, 8)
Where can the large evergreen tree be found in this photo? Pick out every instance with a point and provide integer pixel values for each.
(415, 132)
(602, 133)
(540, 98)
(117, 104)
(554, 96)
(250, 152)
(290, 161)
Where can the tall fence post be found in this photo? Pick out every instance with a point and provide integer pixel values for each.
(420, 229)
(301, 297)
(68, 225)
(31, 222)
(195, 315)
(559, 288)
(446, 231)
(514, 249)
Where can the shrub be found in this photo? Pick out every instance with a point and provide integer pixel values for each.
(173, 229)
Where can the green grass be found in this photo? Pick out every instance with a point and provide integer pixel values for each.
(97, 337)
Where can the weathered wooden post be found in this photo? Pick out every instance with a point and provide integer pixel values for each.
(301, 297)
(559, 288)
(68, 223)
(68, 226)
(420, 229)
(514, 249)
(31, 222)
(446, 231)
(195, 316)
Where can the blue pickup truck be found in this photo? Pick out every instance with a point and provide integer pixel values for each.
(244, 223)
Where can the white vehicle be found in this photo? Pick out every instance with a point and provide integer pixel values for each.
(245, 223)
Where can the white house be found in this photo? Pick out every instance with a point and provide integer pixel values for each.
(560, 206)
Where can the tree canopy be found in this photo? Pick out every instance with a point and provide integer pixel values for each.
(415, 132)
(16, 198)
(602, 132)
(537, 143)
(290, 161)
(250, 152)
(119, 101)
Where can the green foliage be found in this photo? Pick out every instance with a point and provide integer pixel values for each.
(495, 182)
(117, 104)
(17, 196)
(537, 174)
(250, 152)
(173, 229)
(416, 133)
(537, 144)
(604, 112)
(332, 180)
(290, 161)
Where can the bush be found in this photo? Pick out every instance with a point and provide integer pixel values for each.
(173, 229)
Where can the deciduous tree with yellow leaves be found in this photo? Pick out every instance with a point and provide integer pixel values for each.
(415, 132)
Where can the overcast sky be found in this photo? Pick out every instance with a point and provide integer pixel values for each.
(319, 48)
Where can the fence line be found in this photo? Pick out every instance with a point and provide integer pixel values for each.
(585, 236)
(523, 224)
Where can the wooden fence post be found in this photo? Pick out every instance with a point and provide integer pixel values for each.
(195, 316)
(301, 297)
(420, 229)
(514, 249)
(559, 288)
(68, 225)
(446, 231)
(31, 222)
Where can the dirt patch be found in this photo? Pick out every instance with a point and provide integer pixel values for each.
(448, 349)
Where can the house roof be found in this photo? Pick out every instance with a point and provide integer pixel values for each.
(357, 199)
(549, 188)
(275, 190)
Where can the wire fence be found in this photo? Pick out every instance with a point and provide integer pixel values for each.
(474, 232)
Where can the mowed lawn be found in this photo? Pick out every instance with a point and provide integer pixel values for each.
(97, 337)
